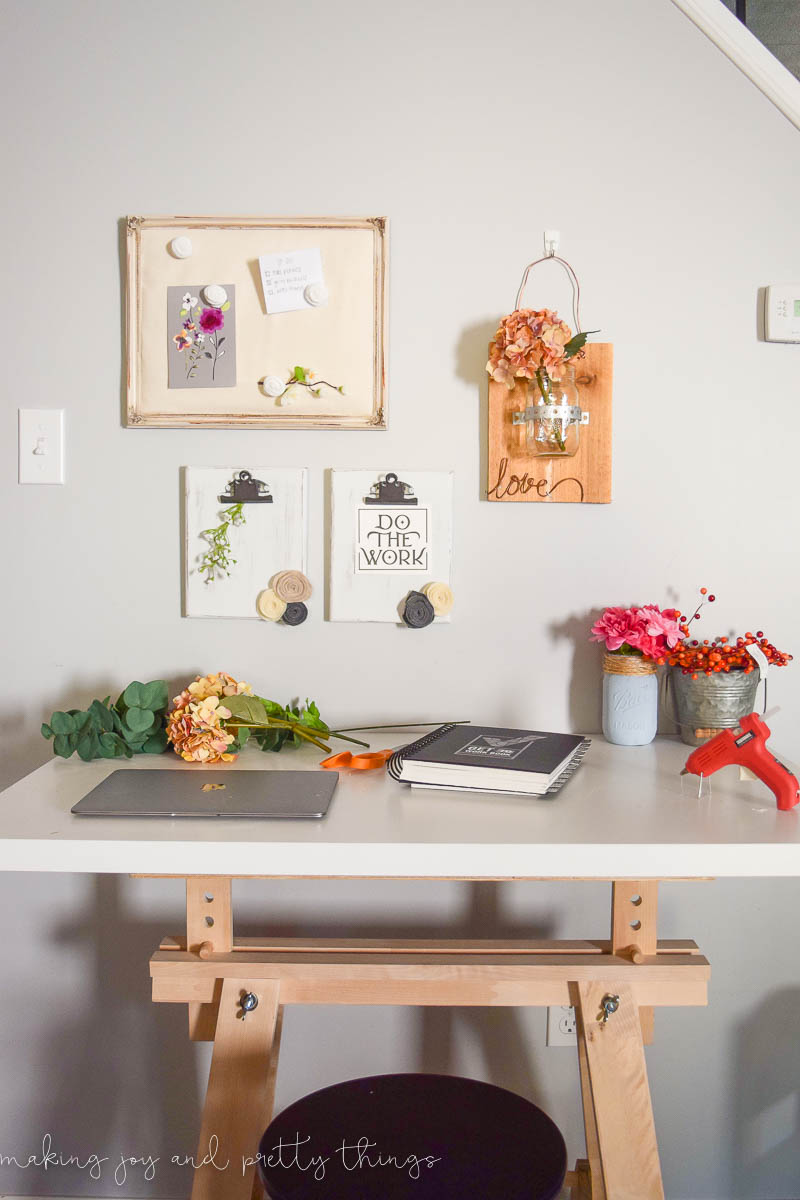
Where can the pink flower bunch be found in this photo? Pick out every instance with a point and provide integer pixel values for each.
(529, 340)
(648, 631)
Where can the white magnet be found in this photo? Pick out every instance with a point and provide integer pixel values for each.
(272, 386)
(315, 294)
(181, 247)
(215, 295)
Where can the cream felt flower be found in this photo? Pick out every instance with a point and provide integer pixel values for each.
(273, 386)
(291, 586)
(270, 606)
(440, 597)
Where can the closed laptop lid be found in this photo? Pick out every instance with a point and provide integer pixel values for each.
(199, 792)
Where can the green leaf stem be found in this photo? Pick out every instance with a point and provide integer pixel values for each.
(134, 725)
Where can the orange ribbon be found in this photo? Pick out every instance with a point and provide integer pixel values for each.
(371, 761)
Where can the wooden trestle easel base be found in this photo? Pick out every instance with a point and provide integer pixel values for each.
(211, 971)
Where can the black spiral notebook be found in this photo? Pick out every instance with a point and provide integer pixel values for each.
(483, 758)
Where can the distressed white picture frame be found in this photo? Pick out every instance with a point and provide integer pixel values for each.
(343, 342)
(365, 596)
(273, 538)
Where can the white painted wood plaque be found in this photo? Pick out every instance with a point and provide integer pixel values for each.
(391, 533)
(272, 537)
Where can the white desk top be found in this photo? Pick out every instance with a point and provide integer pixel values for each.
(626, 813)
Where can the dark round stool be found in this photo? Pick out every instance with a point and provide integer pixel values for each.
(431, 1137)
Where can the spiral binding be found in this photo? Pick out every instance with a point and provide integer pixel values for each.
(569, 771)
(395, 763)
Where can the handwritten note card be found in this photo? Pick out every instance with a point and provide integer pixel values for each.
(285, 277)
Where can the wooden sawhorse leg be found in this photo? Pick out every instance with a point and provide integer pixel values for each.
(621, 1144)
(211, 971)
(243, 1066)
(634, 916)
(244, 1063)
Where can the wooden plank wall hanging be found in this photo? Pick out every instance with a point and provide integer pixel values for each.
(516, 475)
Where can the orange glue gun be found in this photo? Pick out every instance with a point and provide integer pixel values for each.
(746, 746)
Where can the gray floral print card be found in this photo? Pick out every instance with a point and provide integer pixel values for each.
(201, 336)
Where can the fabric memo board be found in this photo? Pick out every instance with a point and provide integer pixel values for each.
(342, 342)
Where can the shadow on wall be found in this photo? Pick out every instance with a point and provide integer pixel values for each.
(122, 1078)
(498, 1033)
(586, 681)
(472, 353)
(765, 1138)
(27, 749)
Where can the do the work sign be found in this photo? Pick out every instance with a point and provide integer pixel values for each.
(392, 540)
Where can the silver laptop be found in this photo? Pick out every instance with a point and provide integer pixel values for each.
(188, 792)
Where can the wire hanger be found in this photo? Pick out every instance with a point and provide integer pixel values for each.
(551, 245)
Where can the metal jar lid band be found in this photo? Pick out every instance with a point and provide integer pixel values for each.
(548, 412)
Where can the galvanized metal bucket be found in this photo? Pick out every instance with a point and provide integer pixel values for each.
(705, 705)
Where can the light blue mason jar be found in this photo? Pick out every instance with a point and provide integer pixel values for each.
(630, 700)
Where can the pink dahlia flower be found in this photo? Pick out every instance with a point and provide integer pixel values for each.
(619, 625)
(661, 623)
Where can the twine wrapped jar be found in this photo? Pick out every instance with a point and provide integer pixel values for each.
(630, 699)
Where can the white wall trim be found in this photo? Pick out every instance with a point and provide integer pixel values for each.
(745, 50)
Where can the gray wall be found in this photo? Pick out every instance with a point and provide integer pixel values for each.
(473, 127)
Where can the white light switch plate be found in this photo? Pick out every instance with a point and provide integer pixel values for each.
(41, 445)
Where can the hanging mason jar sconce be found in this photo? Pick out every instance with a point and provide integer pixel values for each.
(545, 380)
(552, 415)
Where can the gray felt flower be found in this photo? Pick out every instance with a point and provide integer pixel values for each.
(417, 610)
(295, 613)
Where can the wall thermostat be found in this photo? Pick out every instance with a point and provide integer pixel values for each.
(782, 312)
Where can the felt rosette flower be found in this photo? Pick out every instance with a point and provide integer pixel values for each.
(284, 599)
(269, 605)
(417, 610)
(440, 596)
(291, 586)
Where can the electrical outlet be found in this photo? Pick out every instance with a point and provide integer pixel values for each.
(561, 1025)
